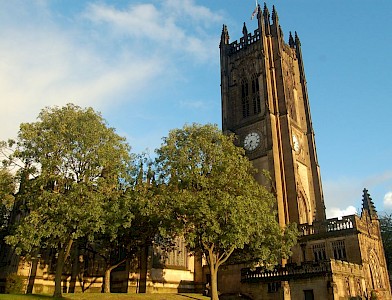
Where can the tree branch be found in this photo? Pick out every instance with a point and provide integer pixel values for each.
(226, 256)
(68, 249)
(116, 265)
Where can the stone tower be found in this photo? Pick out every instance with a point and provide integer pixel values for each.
(265, 104)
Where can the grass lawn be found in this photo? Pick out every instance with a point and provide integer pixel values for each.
(90, 296)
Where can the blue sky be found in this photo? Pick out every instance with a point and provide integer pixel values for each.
(151, 66)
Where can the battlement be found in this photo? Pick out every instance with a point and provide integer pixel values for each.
(345, 267)
(267, 26)
(249, 39)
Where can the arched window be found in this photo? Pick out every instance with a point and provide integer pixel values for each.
(245, 98)
(256, 95)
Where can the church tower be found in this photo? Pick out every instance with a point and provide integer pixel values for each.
(265, 104)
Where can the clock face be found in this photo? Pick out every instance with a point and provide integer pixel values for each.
(251, 141)
(296, 145)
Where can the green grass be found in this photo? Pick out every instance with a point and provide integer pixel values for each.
(90, 296)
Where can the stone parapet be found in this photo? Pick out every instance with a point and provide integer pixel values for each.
(288, 272)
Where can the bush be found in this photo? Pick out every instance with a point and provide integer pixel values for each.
(374, 295)
(14, 284)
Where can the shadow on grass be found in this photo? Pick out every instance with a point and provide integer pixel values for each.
(26, 296)
(31, 297)
(112, 296)
(193, 296)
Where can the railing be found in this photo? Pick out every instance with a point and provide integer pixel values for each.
(305, 270)
(330, 225)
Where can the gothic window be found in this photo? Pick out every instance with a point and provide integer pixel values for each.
(273, 287)
(245, 99)
(174, 258)
(308, 294)
(256, 95)
(319, 252)
(339, 250)
(177, 257)
(294, 104)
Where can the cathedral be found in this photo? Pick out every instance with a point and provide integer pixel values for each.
(265, 104)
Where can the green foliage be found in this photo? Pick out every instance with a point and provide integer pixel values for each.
(74, 168)
(7, 189)
(386, 235)
(153, 213)
(215, 197)
(14, 284)
(373, 295)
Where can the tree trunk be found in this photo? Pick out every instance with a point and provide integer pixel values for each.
(214, 281)
(107, 280)
(127, 271)
(59, 272)
(143, 269)
(33, 273)
(75, 270)
(63, 253)
(214, 264)
(108, 272)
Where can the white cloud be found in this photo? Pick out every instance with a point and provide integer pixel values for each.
(189, 10)
(161, 26)
(388, 200)
(111, 58)
(197, 104)
(342, 192)
(335, 212)
(50, 68)
(380, 178)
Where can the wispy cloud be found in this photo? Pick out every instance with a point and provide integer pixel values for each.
(193, 12)
(98, 56)
(197, 104)
(161, 25)
(343, 193)
(379, 178)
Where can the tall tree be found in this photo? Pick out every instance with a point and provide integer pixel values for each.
(153, 223)
(7, 190)
(221, 206)
(76, 164)
(386, 235)
(113, 238)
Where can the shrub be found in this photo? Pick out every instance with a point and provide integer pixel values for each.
(14, 284)
(373, 295)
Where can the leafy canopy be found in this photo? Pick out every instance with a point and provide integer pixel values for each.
(7, 190)
(386, 235)
(75, 165)
(221, 206)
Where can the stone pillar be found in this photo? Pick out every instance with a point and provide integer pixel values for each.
(286, 290)
(198, 273)
(332, 290)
